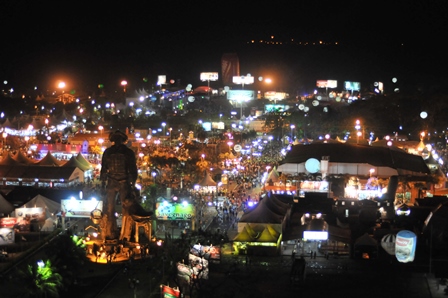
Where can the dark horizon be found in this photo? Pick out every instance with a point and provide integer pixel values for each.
(103, 44)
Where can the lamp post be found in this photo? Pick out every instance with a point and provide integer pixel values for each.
(358, 127)
(61, 85)
(230, 144)
(163, 125)
(100, 128)
(292, 129)
(4, 135)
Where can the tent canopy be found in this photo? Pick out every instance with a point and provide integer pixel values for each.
(51, 207)
(207, 181)
(356, 159)
(5, 206)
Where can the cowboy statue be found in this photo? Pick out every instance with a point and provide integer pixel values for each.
(118, 177)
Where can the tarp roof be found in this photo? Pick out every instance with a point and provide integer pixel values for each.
(243, 236)
(262, 214)
(207, 181)
(73, 162)
(51, 207)
(35, 172)
(5, 206)
(7, 160)
(366, 240)
(21, 158)
(82, 160)
(49, 160)
(273, 175)
(343, 153)
(266, 236)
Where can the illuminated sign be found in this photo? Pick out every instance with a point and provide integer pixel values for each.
(315, 235)
(327, 84)
(243, 80)
(405, 244)
(354, 86)
(209, 76)
(276, 108)
(168, 292)
(26, 216)
(174, 211)
(240, 95)
(80, 208)
(273, 95)
(161, 80)
(6, 236)
(8, 222)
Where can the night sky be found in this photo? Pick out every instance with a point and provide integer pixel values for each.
(105, 42)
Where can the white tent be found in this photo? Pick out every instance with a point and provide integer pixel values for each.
(51, 207)
(5, 207)
(48, 225)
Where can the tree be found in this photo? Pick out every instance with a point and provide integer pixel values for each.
(40, 280)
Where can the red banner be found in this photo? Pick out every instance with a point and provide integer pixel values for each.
(168, 292)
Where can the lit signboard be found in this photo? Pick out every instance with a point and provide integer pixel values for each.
(354, 86)
(273, 95)
(161, 80)
(315, 235)
(405, 245)
(218, 125)
(8, 222)
(327, 84)
(240, 95)
(6, 236)
(209, 76)
(243, 80)
(174, 211)
(276, 108)
(80, 208)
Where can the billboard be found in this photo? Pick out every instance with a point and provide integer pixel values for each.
(243, 80)
(8, 222)
(209, 76)
(353, 86)
(273, 95)
(168, 292)
(6, 236)
(327, 84)
(161, 80)
(241, 95)
(79, 208)
(275, 108)
(166, 210)
(405, 245)
(28, 216)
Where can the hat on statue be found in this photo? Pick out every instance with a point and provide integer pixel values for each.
(118, 136)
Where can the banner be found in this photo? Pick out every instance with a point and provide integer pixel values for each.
(405, 244)
(168, 292)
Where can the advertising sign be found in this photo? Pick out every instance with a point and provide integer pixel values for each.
(174, 211)
(273, 95)
(240, 95)
(6, 236)
(80, 208)
(168, 292)
(326, 84)
(27, 216)
(243, 80)
(275, 108)
(161, 80)
(353, 86)
(8, 222)
(405, 244)
(209, 76)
